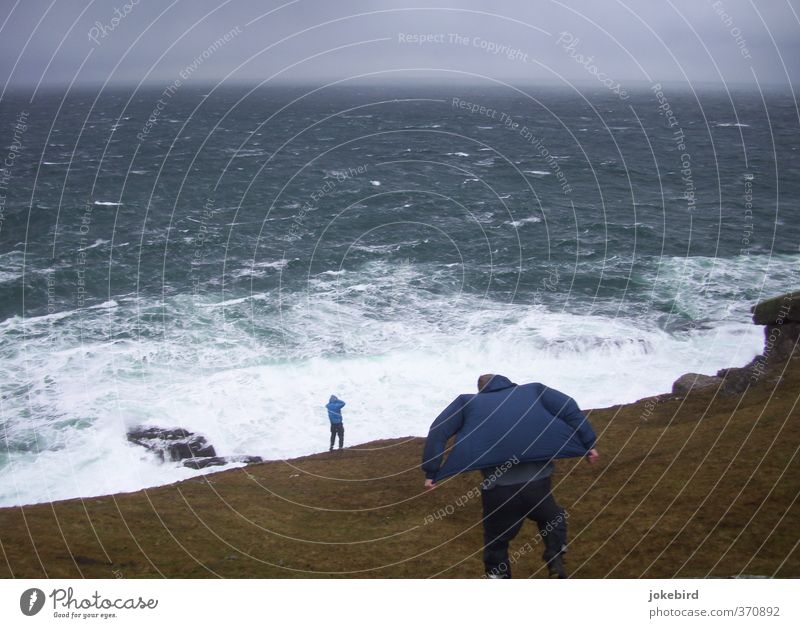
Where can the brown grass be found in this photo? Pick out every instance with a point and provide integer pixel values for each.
(706, 486)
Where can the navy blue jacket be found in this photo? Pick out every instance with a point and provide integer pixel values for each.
(334, 407)
(530, 422)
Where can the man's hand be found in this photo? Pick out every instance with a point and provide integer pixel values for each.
(429, 484)
(592, 456)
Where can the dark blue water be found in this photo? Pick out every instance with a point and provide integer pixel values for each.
(222, 259)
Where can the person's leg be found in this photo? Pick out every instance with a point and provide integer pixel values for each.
(333, 435)
(340, 432)
(550, 518)
(502, 520)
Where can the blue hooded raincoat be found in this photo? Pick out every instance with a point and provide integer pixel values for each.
(334, 407)
(530, 422)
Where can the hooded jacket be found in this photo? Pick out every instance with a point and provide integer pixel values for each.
(334, 407)
(506, 422)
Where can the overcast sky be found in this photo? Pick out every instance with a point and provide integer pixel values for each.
(736, 41)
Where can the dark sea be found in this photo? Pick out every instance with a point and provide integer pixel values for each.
(224, 259)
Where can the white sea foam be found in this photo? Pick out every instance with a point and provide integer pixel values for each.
(524, 221)
(538, 173)
(105, 305)
(98, 242)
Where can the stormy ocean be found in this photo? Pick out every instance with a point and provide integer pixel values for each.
(224, 259)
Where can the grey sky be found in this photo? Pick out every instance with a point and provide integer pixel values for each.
(696, 40)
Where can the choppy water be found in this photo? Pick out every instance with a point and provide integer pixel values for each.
(229, 265)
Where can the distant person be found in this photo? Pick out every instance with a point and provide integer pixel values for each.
(334, 407)
(511, 433)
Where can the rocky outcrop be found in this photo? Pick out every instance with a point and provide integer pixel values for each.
(781, 319)
(736, 380)
(784, 308)
(177, 444)
(694, 381)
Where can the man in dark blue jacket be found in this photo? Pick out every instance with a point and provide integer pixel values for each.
(512, 434)
(334, 407)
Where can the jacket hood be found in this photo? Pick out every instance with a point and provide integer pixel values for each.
(498, 382)
(333, 399)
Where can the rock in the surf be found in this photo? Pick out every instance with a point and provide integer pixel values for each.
(172, 444)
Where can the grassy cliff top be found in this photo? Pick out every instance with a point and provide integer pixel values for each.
(702, 486)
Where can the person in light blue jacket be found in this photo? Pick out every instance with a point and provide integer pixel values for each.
(334, 407)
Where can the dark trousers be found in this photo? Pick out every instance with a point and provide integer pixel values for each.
(505, 509)
(337, 429)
